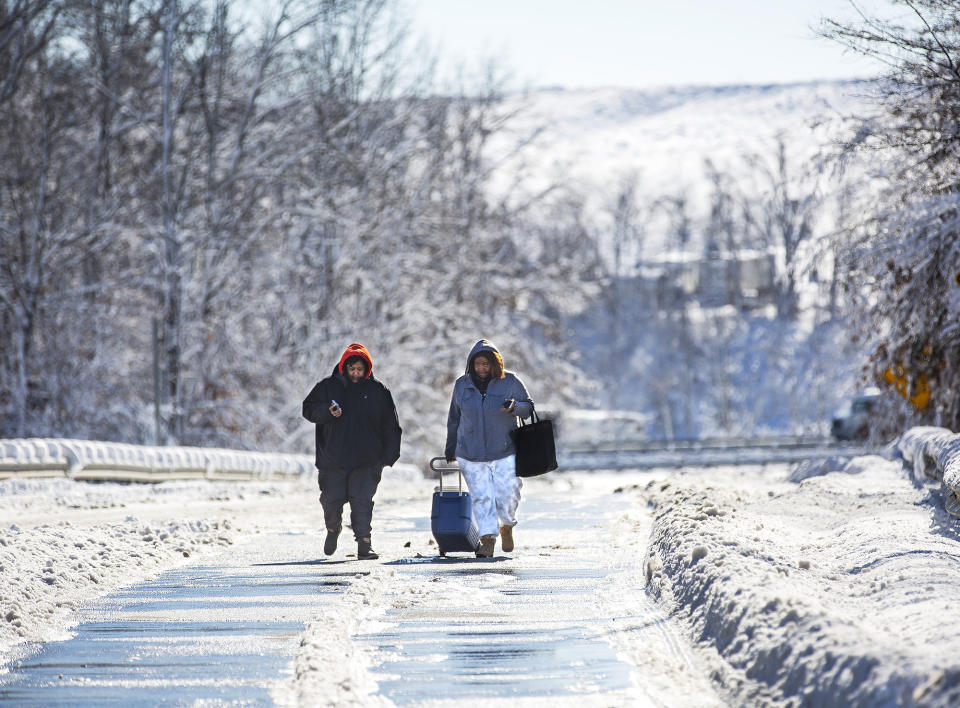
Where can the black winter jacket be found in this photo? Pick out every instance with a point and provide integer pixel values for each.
(367, 433)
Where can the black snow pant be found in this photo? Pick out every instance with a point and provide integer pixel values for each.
(357, 486)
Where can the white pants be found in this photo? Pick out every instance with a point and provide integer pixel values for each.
(495, 489)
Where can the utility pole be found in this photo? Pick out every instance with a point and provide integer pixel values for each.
(156, 381)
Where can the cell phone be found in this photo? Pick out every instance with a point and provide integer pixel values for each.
(335, 404)
(508, 402)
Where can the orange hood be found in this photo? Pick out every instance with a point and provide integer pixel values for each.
(356, 349)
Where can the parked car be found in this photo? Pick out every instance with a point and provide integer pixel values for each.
(853, 422)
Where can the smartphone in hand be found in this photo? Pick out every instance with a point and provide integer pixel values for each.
(334, 405)
(507, 403)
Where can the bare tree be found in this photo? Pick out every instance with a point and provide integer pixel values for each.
(782, 219)
(268, 197)
(38, 236)
(905, 253)
(25, 29)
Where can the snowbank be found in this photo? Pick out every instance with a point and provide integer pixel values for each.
(934, 453)
(830, 592)
(331, 669)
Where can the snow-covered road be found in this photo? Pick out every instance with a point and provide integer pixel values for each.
(564, 619)
(721, 586)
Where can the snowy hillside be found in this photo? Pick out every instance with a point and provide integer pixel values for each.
(591, 137)
(591, 140)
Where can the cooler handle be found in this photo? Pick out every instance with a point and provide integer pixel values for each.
(448, 466)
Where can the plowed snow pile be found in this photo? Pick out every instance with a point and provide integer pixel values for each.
(838, 590)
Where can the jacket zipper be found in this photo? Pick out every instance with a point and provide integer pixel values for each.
(483, 426)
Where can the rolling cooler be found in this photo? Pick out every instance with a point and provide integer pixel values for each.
(451, 518)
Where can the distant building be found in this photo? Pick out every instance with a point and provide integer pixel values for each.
(745, 279)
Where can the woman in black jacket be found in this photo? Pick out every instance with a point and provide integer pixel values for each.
(358, 434)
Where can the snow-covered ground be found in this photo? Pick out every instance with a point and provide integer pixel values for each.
(828, 584)
(831, 589)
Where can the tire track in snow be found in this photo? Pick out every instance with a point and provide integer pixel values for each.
(641, 630)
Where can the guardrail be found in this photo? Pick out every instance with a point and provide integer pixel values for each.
(783, 441)
(713, 452)
(91, 460)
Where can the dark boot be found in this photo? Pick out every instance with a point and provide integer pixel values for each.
(364, 551)
(330, 544)
(487, 542)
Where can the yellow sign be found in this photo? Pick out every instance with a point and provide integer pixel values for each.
(897, 377)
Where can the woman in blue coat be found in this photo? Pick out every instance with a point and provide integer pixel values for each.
(484, 408)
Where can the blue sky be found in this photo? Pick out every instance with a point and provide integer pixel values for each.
(642, 43)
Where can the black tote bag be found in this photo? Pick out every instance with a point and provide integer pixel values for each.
(536, 449)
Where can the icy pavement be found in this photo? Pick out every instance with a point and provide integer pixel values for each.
(563, 619)
(63, 543)
(527, 626)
